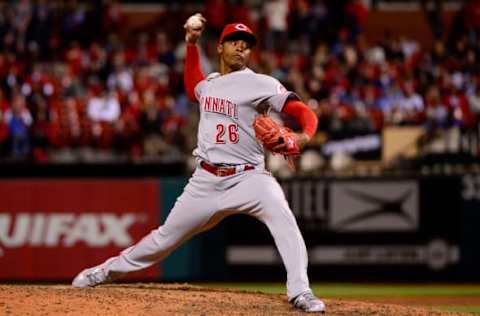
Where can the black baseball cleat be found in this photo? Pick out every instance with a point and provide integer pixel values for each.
(308, 303)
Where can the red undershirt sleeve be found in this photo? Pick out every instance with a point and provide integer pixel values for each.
(303, 115)
(192, 73)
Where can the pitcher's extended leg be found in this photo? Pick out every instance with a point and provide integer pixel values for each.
(157, 245)
(191, 214)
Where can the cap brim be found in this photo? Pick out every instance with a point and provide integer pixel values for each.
(248, 37)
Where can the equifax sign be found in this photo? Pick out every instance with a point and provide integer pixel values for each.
(51, 229)
(65, 229)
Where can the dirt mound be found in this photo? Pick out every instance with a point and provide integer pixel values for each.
(172, 299)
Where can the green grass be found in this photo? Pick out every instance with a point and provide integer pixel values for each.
(362, 290)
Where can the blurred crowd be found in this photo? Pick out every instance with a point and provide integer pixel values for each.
(73, 78)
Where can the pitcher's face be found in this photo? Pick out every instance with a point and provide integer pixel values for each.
(235, 54)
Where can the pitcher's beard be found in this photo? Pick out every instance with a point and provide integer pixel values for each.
(237, 66)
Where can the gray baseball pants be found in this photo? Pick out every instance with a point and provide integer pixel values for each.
(205, 201)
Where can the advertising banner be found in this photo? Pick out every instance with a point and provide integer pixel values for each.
(361, 147)
(408, 223)
(470, 232)
(51, 229)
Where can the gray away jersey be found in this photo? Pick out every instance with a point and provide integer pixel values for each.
(228, 106)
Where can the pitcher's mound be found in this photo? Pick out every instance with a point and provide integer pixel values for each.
(171, 299)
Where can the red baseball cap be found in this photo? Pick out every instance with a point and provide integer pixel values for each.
(238, 30)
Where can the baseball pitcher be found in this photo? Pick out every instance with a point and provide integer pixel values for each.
(234, 132)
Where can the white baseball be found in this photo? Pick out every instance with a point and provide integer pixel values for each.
(194, 22)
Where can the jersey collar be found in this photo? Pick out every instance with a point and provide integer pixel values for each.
(215, 75)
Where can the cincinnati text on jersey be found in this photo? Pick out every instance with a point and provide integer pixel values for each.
(221, 106)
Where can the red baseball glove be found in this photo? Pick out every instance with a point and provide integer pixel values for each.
(276, 138)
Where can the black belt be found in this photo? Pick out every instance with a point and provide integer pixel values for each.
(224, 171)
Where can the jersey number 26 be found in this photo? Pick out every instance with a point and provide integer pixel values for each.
(231, 129)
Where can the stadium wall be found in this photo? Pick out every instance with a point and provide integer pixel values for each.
(413, 228)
